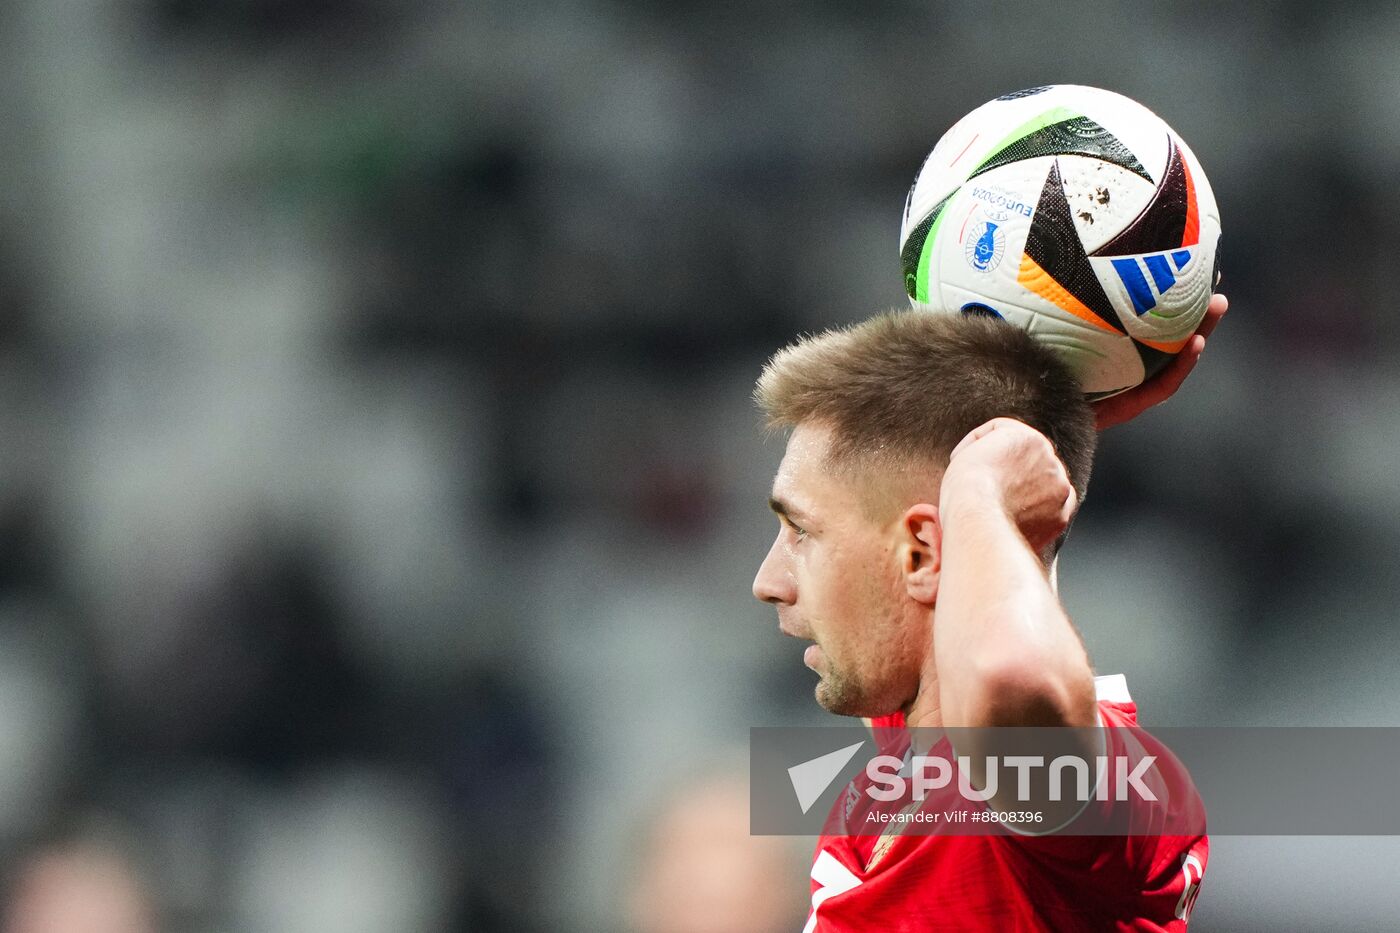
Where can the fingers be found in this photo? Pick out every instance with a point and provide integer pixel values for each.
(1008, 463)
(1128, 405)
(1068, 509)
(1219, 304)
(1171, 378)
(1164, 384)
(963, 444)
(982, 430)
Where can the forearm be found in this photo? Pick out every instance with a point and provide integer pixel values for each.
(1005, 651)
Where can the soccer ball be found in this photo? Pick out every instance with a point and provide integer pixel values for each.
(1075, 213)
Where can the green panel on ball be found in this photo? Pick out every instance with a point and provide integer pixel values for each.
(918, 251)
(1061, 132)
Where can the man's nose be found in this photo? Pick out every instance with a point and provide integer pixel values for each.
(773, 583)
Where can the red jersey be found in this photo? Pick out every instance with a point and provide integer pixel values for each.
(1012, 882)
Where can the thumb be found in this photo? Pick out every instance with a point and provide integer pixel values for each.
(1071, 505)
(981, 431)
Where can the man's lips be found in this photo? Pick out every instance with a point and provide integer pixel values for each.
(793, 632)
(809, 657)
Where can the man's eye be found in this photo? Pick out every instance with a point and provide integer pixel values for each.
(797, 529)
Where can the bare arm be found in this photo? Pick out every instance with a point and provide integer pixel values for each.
(1005, 651)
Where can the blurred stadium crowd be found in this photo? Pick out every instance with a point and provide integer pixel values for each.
(381, 489)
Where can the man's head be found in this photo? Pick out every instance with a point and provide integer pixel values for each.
(875, 410)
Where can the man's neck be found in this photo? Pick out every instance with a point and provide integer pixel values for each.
(923, 712)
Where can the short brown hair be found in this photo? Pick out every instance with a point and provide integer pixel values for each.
(909, 385)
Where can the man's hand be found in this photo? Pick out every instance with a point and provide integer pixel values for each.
(1125, 406)
(1011, 466)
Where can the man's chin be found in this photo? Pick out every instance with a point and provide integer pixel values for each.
(841, 696)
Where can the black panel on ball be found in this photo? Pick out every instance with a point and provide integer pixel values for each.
(1162, 223)
(1076, 136)
(1053, 242)
(1153, 360)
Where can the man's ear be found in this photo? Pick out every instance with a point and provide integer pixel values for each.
(921, 552)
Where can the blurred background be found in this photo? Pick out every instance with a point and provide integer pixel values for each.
(380, 480)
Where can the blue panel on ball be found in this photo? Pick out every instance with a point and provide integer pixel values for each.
(976, 307)
(1136, 282)
(1181, 257)
(1161, 272)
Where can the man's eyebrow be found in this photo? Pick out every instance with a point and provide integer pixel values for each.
(785, 510)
